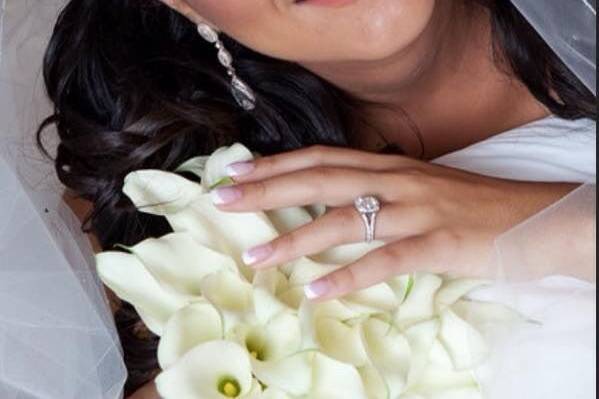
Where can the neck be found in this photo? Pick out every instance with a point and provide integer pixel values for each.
(442, 93)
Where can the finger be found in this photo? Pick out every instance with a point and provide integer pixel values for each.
(337, 227)
(402, 257)
(311, 157)
(327, 186)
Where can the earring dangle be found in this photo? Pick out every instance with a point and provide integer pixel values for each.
(242, 93)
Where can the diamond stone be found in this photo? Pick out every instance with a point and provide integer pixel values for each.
(368, 204)
(243, 94)
(225, 58)
(209, 34)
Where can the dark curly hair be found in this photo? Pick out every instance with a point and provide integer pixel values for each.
(134, 87)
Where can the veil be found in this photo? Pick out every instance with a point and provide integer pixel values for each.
(57, 338)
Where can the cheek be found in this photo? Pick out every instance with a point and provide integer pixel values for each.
(231, 16)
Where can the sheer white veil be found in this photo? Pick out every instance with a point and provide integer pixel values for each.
(57, 338)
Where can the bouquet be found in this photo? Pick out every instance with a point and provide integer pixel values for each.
(227, 331)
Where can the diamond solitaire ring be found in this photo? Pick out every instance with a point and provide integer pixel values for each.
(368, 207)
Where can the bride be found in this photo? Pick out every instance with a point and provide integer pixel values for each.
(472, 131)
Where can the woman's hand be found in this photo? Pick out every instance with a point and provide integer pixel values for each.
(433, 218)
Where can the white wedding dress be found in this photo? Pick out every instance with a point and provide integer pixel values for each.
(57, 339)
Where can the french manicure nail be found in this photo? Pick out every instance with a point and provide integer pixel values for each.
(317, 289)
(225, 195)
(257, 254)
(240, 169)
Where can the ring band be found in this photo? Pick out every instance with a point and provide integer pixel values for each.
(368, 207)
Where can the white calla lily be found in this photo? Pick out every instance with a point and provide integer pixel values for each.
(292, 375)
(274, 393)
(273, 295)
(127, 277)
(375, 385)
(215, 169)
(421, 338)
(160, 193)
(334, 329)
(212, 370)
(279, 338)
(390, 353)
(336, 380)
(464, 343)
(231, 295)
(189, 327)
(379, 298)
(179, 263)
(419, 304)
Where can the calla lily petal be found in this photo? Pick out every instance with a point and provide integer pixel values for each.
(208, 371)
(390, 353)
(195, 166)
(374, 384)
(268, 285)
(215, 168)
(421, 337)
(179, 263)
(292, 375)
(160, 193)
(227, 232)
(228, 292)
(379, 298)
(189, 327)
(275, 393)
(336, 380)
(340, 340)
(419, 304)
(453, 290)
(130, 280)
(464, 343)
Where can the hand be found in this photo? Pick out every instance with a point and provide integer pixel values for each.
(433, 218)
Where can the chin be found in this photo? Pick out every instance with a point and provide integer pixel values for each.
(363, 31)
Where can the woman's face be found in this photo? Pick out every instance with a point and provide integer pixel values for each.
(314, 31)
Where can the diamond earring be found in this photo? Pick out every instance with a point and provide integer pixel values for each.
(242, 93)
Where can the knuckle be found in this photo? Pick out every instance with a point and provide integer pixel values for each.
(447, 241)
(321, 175)
(391, 254)
(267, 163)
(316, 153)
(345, 279)
(287, 244)
(256, 191)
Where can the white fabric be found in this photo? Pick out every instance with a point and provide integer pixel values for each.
(570, 29)
(57, 336)
(550, 150)
(553, 357)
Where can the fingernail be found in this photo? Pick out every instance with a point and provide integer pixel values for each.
(257, 254)
(240, 169)
(225, 195)
(317, 289)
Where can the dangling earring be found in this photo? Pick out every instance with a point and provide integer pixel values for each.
(242, 93)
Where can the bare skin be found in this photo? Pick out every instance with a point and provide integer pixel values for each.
(418, 60)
